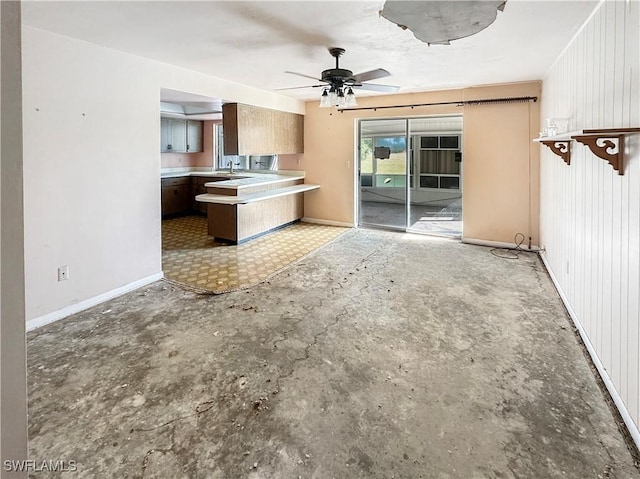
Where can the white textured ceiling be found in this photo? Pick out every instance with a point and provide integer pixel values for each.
(255, 43)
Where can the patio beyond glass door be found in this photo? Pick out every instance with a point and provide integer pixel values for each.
(383, 173)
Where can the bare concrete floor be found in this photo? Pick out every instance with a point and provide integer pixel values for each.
(382, 355)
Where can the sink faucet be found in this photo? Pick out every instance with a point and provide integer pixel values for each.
(231, 164)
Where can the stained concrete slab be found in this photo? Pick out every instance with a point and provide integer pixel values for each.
(382, 355)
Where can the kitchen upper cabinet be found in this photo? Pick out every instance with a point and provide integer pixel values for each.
(194, 136)
(180, 136)
(164, 135)
(251, 130)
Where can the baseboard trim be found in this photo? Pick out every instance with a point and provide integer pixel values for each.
(499, 244)
(327, 222)
(88, 303)
(626, 417)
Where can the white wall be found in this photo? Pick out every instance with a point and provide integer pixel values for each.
(590, 216)
(92, 165)
(13, 374)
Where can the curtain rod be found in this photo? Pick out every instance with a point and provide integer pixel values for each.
(518, 99)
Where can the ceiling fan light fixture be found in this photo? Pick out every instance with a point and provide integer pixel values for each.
(325, 101)
(333, 95)
(340, 82)
(350, 99)
(341, 100)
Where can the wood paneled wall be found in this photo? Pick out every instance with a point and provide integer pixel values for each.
(590, 216)
(251, 130)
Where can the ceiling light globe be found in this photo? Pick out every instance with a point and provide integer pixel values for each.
(325, 101)
(350, 98)
(340, 100)
(333, 95)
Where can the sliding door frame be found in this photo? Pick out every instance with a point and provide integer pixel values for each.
(358, 176)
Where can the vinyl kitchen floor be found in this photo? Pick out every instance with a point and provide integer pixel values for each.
(192, 258)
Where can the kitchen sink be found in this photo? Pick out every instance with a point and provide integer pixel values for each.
(232, 176)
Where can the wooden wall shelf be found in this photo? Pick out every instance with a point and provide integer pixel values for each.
(610, 148)
(562, 148)
(606, 143)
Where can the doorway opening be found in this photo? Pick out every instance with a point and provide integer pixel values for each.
(410, 174)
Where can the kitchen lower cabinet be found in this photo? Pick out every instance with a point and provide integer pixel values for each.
(176, 195)
(198, 188)
(179, 194)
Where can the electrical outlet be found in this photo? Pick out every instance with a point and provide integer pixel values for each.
(63, 273)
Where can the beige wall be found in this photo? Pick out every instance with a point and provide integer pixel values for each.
(499, 195)
(500, 184)
(203, 159)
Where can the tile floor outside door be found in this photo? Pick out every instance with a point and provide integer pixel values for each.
(443, 219)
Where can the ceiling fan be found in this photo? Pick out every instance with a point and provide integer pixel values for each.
(338, 83)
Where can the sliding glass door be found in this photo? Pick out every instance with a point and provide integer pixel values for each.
(383, 173)
(410, 174)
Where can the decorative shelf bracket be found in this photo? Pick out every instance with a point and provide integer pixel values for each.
(605, 143)
(608, 147)
(562, 148)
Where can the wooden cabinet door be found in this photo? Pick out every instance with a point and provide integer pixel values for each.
(168, 203)
(176, 195)
(164, 134)
(194, 136)
(180, 136)
(177, 136)
(176, 199)
(198, 188)
(183, 198)
(251, 130)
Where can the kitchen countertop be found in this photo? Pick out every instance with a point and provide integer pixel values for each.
(256, 177)
(253, 197)
(247, 181)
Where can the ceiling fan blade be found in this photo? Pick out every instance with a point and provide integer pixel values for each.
(298, 87)
(303, 75)
(375, 87)
(371, 75)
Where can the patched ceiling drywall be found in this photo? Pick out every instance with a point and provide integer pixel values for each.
(438, 22)
(256, 43)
